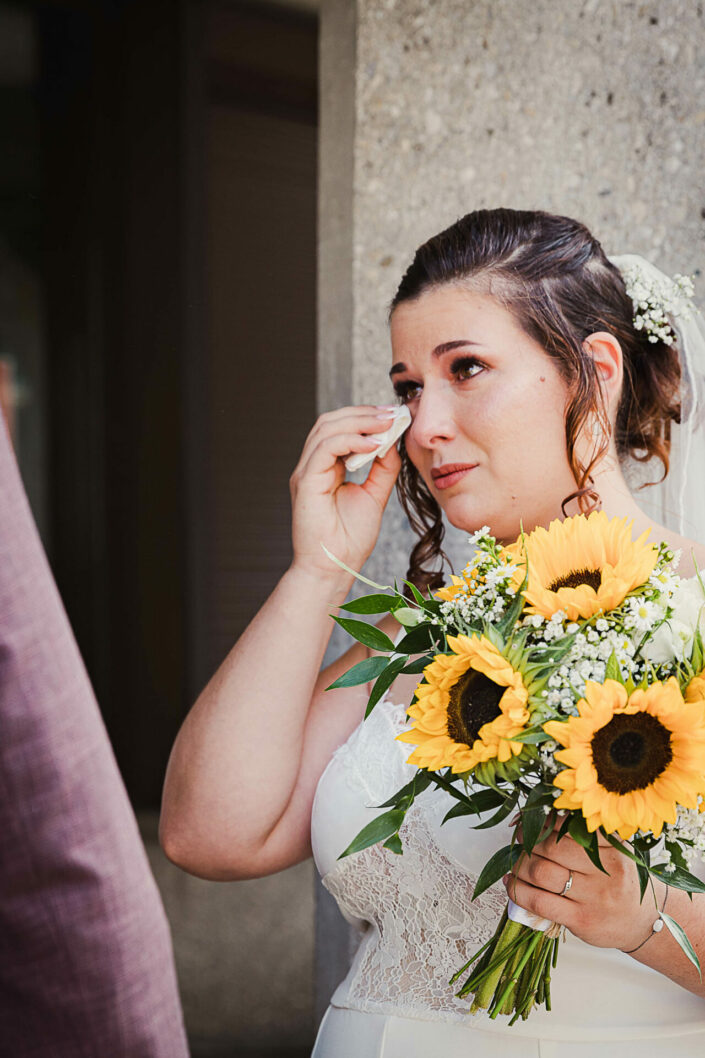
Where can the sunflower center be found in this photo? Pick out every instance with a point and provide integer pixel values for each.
(575, 577)
(631, 751)
(474, 701)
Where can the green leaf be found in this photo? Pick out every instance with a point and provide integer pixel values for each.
(383, 682)
(363, 672)
(533, 821)
(445, 782)
(365, 633)
(542, 793)
(617, 844)
(485, 773)
(380, 829)
(593, 851)
(612, 670)
(532, 736)
(460, 808)
(506, 623)
(416, 593)
(419, 664)
(394, 844)
(681, 936)
(496, 867)
(679, 879)
(432, 606)
(676, 854)
(485, 800)
(643, 873)
(408, 616)
(418, 640)
(579, 832)
(500, 815)
(412, 789)
(482, 801)
(370, 604)
(563, 829)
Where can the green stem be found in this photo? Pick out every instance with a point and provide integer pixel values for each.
(473, 982)
(541, 990)
(536, 975)
(508, 1006)
(477, 955)
(490, 943)
(517, 973)
(547, 985)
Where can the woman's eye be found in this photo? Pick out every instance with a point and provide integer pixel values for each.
(465, 368)
(407, 391)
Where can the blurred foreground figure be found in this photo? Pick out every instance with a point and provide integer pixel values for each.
(86, 966)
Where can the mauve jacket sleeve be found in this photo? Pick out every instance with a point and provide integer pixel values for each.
(86, 965)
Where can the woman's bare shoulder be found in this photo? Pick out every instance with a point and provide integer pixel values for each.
(692, 559)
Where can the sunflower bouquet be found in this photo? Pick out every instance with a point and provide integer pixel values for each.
(562, 681)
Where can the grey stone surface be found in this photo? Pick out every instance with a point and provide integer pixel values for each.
(244, 955)
(335, 203)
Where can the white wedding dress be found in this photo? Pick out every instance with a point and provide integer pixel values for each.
(418, 925)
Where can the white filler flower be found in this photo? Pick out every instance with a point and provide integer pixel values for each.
(675, 636)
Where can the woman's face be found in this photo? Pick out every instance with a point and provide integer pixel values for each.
(487, 409)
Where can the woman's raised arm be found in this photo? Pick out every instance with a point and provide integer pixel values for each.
(244, 767)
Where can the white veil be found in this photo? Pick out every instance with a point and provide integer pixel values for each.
(678, 502)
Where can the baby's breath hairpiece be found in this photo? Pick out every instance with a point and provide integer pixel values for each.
(655, 300)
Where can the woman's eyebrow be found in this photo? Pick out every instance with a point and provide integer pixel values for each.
(444, 347)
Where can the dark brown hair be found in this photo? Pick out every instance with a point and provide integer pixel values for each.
(552, 274)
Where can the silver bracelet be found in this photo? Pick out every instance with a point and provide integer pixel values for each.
(656, 928)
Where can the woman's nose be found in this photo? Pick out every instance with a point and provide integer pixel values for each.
(432, 419)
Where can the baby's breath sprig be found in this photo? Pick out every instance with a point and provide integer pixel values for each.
(485, 590)
(654, 301)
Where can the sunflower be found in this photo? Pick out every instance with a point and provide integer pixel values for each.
(631, 759)
(583, 565)
(469, 705)
(695, 690)
(459, 586)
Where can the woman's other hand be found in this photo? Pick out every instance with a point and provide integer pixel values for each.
(326, 509)
(602, 909)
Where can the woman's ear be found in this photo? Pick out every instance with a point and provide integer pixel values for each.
(606, 353)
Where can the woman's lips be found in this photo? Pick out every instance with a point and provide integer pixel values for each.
(447, 475)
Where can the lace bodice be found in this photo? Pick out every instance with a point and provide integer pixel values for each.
(417, 907)
(424, 925)
(418, 923)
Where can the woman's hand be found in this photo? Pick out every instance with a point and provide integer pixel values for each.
(325, 508)
(601, 909)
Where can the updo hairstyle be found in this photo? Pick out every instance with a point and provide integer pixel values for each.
(554, 277)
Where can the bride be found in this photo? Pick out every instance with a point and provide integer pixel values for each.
(529, 386)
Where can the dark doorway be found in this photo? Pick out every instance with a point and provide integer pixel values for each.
(162, 196)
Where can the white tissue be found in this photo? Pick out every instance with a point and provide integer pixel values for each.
(385, 440)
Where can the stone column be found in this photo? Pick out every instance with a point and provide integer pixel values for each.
(433, 108)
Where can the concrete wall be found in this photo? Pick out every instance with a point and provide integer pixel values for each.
(244, 957)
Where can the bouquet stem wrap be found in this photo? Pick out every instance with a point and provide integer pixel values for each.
(513, 973)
